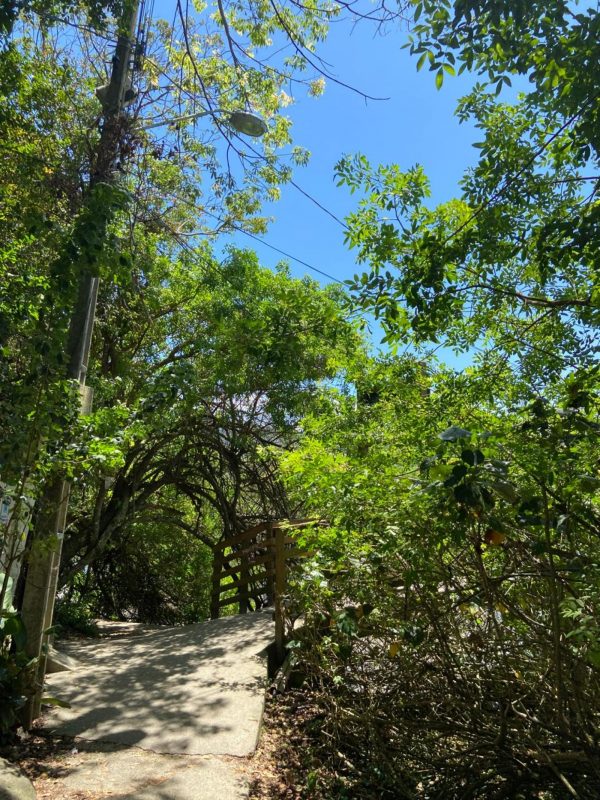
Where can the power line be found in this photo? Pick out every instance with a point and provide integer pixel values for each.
(210, 213)
(299, 188)
(262, 157)
(288, 255)
(240, 229)
(318, 204)
(509, 181)
(454, 233)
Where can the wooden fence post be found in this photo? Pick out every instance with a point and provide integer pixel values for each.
(216, 582)
(244, 588)
(257, 568)
(279, 593)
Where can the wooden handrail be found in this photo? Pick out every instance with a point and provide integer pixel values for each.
(251, 533)
(256, 562)
(244, 581)
(251, 560)
(229, 601)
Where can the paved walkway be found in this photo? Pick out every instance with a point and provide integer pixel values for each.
(164, 713)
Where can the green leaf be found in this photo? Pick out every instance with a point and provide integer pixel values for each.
(467, 494)
(413, 634)
(593, 656)
(458, 473)
(55, 701)
(589, 483)
(506, 490)
(468, 456)
(440, 472)
(13, 626)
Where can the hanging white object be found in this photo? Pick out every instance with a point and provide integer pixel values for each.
(240, 121)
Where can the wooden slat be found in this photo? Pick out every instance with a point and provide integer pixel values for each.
(278, 544)
(249, 533)
(280, 576)
(216, 584)
(242, 538)
(242, 581)
(262, 545)
(265, 526)
(297, 523)
(244, 586)
(266, 559)
(254, 595)
(256, 562)
(226, 573)
(290, 554)
(268, 573)
(230, 601)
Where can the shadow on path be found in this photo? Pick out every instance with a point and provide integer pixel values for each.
(194, 689)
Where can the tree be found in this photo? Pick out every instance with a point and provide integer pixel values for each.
(450, 640)
(93, 240)
(511, 263)
(553, 44)
(49, 90)
(449, 608)
(191, 394)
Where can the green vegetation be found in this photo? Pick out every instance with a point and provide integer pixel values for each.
(450, 645)
(16, 672)
(451, 637)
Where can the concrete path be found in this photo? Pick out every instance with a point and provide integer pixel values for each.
(165, 693)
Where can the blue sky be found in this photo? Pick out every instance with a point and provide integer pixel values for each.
(415, 125)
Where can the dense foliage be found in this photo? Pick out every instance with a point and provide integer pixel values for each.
(451, 612)
(452, 605)
(450, 641)
(198, 362)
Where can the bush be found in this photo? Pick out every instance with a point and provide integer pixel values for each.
(17, 673)
(451, 636)
(73, 618)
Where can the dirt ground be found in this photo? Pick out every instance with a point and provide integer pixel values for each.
(277, 764)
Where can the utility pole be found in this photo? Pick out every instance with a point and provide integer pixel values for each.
(44, 561)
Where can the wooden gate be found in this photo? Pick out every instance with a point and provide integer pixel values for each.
(253, 566)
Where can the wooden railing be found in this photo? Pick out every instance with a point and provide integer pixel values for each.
(254, 565)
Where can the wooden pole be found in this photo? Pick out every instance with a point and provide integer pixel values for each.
(42, 573)
(35, 609)
(216, 583)
(279, 593)
(244, 589)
